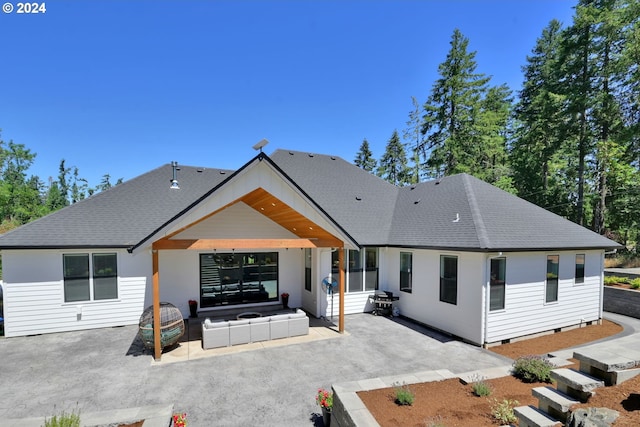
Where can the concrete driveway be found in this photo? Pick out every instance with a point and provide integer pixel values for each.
(103, 369)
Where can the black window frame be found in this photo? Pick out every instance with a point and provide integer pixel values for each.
(406, 274)
(551, 288)
(448, 282)
(238, 268)
(579, 272)
(497, 284)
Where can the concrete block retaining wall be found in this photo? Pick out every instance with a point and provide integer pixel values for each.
(622, 301)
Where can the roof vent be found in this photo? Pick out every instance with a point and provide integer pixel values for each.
(457, 218)
(358, 198)
(333, 158)
(222, 172)
(438, 180)
(416, 202)
(174, 180)
(291, 153)
(200, 170)
(413, 187)
(310, 154)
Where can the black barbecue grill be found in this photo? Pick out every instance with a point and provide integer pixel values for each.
(383, 303)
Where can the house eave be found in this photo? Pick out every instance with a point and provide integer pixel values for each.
(63, 247)
(497, 249)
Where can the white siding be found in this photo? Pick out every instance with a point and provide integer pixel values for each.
(525, 309)
(34, 294)
(261, 176)
(179, 274)
(423, 304)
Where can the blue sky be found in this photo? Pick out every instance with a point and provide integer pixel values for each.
(122, 87)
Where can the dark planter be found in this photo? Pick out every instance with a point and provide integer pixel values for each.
(285, 301)
(193, 309)
(326, 417)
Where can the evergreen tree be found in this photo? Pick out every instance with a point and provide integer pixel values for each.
(451, 112)
(491, 164)
(535, 152)
(413, 138)
(364, 158)
(393, 163)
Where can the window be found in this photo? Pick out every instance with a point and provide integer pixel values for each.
(371, 269)
(497, 284)
(579, 268)
(76, 277)
(406, 268)
(307, 269)
(358, 279)
(105, 276)
(449, 279)
(228, 278)
(354, 281)
(81, 285)
(551, 291)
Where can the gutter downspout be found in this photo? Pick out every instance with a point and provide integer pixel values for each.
(486, 300)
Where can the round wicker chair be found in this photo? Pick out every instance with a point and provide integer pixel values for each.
(171, 325)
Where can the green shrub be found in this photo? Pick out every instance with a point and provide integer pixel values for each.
(481, 388)
(503, 411)
(63, 420)
(532, 369)
(404, 396)
(635, 283)
(614, 280)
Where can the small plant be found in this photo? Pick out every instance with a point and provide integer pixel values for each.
(480, 387)
(324, 398)
(436, 421)
(533, 369)
(615, 280)
(63, 420)
(635, 283)
(180, 420)
(404, 395)
(503, 411)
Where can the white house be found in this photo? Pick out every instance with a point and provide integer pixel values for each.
(463, 256)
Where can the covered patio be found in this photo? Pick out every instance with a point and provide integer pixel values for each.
(283, 228)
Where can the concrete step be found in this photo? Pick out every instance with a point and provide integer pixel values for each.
(575, 384)
(553, 402)
(529, 416)
(610, 366)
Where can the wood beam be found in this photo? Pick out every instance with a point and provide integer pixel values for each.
(156, 306)
(204, 244)
(341, 287)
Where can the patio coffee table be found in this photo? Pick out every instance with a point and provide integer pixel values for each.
(248, 315)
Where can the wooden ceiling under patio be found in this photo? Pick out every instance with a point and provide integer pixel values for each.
(309, 234)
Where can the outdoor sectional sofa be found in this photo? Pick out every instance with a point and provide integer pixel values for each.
(233, 332)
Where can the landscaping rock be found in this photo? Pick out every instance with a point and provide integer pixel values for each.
(592, 417)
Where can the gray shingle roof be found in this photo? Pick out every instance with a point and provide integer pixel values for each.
(121, 216)
(457, 212)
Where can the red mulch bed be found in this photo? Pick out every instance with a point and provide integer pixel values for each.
(450, 403)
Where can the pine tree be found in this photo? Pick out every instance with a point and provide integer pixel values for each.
(451, 111)
(393, 163)
(364, 158)
(535, 153)
(413, 138)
